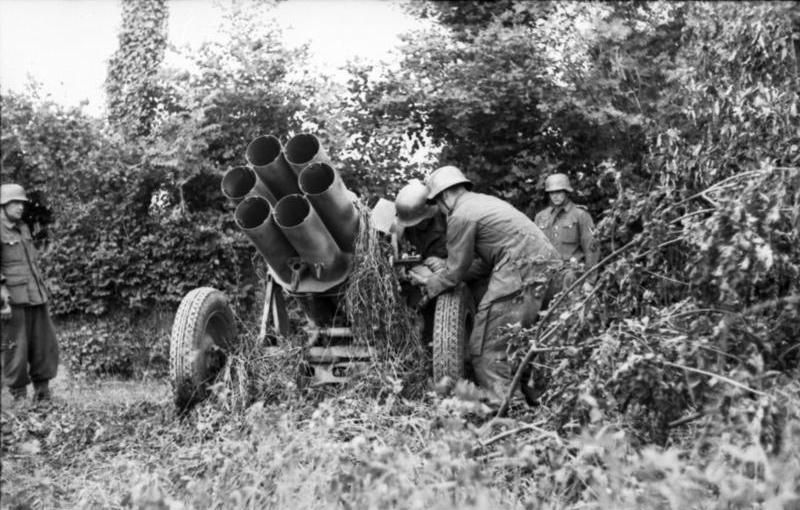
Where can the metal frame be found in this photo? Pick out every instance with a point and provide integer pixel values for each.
(330, 363)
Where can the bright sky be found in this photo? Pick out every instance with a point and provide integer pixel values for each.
(66, 44)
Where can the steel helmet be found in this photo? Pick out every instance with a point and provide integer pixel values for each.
(445, 177)
(12, 193)
(557, 182)
(411, 205)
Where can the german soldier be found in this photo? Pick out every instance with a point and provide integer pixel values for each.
(522, 262)
(568, 226)
(30, 351)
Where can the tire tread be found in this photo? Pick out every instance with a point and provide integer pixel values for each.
(450, 334)
(187, 329)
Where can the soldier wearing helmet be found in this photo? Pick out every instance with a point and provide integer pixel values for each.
(30, 351)
(421, 226)
(523, 265)
(420, 223)
(568, 225)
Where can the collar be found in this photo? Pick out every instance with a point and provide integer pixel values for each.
(566, 207)
(458, 199)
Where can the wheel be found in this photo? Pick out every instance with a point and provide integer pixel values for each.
(203, 331)
(452, 325)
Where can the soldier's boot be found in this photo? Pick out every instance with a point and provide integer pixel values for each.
(41, 391)
(19, 393)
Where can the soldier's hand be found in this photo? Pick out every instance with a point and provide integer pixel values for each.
(435, 264)
(417, 278)
(5, 301)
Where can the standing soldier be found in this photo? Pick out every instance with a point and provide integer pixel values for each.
(30, 351)
(521, 261)
(568, 226)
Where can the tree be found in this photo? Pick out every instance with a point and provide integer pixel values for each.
(708, 282)
(494, 89)
(132, 88)
(243, 84)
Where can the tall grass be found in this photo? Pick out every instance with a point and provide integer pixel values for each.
(120, 445)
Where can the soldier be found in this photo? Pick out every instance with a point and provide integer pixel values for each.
(30, 351)
(425, 227)
(523, 264)
(568, 226)
(421, 224)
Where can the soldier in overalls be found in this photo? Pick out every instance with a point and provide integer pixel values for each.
(30, 351)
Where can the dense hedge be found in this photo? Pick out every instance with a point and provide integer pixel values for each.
(146, 265)
(119, 344)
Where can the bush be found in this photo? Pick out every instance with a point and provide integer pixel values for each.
(145, 264)
(119, 344)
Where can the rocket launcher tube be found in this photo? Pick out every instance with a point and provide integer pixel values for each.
(302, 150)
(241, 181)
(332, 201)
(320, 256)
(255, 217)
(265, 156)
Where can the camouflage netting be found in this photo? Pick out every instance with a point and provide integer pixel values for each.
(377, 312)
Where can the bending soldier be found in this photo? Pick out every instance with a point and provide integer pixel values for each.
(522, 262)
(421, 224)
(423, 227)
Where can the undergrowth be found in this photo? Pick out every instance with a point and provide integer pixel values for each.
(346, 451)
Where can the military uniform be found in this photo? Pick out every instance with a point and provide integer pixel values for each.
(523, 265)
(429, 236)
(429, 239)
(30, 350)
(571, 230)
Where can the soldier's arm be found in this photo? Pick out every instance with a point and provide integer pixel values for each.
(590, 252)
(460, 255)
(5, 300)
(478, 269)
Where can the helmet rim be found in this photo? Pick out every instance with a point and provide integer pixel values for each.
(12, 193)
(444, 178)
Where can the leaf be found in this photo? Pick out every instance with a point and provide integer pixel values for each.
(31, 447)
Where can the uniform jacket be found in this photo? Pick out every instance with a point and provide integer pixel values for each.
(19, 268)
(428, 237)
(506, 240)
(571, 230)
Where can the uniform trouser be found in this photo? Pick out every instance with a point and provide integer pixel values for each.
(489, 348)
(30, 350)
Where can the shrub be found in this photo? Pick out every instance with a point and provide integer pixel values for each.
(118, 344)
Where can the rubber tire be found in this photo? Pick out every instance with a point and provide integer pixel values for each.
(203, 331)
(452, 325)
